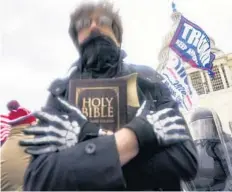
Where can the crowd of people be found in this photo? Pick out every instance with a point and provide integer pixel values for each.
(58, 148)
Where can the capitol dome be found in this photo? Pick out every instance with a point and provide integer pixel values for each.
(163, 54)
(218, 52)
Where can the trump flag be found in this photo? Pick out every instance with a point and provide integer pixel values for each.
(192, 44)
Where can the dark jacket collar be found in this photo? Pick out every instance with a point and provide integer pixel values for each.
(77, 64)
(59, 85)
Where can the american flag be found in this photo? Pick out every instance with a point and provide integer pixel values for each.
(5, 128)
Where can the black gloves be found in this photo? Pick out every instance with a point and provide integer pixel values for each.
(58, 130)
(158, 129)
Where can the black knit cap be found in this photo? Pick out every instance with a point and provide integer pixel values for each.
(90, 7)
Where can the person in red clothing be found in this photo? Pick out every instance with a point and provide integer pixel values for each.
(16, 111)
(12, 170)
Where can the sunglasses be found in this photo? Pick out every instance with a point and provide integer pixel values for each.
(84, 23)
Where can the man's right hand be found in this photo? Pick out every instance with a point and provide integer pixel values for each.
(58, 130)
(157, 129)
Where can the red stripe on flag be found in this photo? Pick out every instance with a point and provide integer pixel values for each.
(171, 71)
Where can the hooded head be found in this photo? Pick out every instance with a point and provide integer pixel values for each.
(203, 124)
(96, 31)
(13, 105)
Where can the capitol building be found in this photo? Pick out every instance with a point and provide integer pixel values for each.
(215, 93)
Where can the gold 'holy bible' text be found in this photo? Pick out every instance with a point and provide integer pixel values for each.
(97, 107)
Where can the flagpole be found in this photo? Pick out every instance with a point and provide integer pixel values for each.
(174, 7)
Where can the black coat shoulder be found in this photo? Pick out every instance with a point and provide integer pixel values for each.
(145, 72)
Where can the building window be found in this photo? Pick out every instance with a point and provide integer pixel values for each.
(217, 83)
(206, 83)
(200, 84)
(224, 73)
(197, 82)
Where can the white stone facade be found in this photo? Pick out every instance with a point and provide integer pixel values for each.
(217, 93)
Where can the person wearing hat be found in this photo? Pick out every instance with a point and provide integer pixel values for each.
(16, 111)
(153, 151)
(14, 160)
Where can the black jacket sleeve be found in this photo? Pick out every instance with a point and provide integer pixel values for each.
(168, 166)
(90, 165)
(182, 158)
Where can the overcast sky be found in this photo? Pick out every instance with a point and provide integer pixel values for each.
(35, 46)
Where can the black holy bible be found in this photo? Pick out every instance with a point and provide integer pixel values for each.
(105, 101)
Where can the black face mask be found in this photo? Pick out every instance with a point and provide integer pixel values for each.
(100, 56)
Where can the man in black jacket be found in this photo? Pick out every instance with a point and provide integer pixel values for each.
(154, 151)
